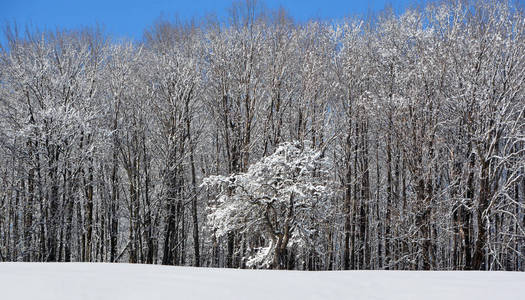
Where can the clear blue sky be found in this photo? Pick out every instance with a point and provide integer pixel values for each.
(129, 18)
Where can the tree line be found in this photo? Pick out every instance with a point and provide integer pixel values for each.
(391, 142)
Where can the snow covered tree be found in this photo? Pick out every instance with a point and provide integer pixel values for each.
(280, 197)
(419, 117)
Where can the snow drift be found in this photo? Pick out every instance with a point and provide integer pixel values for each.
(65, 281)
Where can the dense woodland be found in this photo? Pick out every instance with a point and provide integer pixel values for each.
(395, 141)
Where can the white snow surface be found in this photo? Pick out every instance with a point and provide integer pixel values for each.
(66, 281)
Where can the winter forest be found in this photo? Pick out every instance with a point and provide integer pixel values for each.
(395, 141)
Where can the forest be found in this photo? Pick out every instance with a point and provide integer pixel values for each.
(394, 141)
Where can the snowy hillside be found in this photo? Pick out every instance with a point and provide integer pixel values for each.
(123, 281)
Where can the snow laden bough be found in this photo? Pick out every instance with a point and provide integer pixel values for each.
(282, 200)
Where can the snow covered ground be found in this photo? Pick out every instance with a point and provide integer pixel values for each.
(67, 281)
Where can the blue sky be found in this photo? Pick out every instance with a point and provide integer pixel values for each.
(129, 18)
